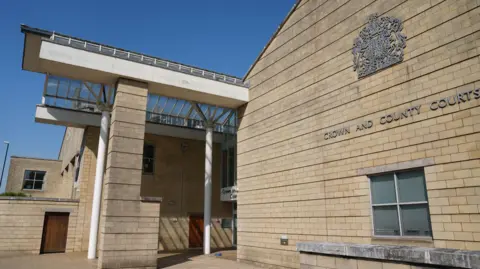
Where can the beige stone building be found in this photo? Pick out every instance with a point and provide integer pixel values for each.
(329, 154)
(38, 178)
(352, 142)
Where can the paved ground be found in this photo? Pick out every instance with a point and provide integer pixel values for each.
(78, 260)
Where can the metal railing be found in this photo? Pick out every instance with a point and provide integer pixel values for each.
(140, 58)
(82, 96)
(189, 123)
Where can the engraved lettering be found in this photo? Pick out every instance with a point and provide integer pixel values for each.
(442, 103)
(454, 98)
(383, 120)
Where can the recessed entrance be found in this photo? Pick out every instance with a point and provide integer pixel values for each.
(55, 228)
(195, 232)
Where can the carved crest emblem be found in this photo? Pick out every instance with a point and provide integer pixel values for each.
(379, 45)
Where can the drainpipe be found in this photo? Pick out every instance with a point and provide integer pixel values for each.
(207, 217)
(97, 191)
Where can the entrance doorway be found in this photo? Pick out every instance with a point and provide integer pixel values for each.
(55, 228)
(195, 232)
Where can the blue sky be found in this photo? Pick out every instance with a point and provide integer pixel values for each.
(221, 35)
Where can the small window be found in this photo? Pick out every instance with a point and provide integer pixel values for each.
(148, 158)
(228, 167)
(33, 180)
(400, 204)
(226, 223)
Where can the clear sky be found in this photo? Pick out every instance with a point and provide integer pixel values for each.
(221, 35)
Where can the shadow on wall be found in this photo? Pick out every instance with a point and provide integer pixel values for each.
(173, 234)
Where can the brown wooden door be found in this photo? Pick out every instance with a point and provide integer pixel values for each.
(55, 228)
(195, 232)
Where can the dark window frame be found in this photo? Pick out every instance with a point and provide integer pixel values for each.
(398, 204)
(34, 180)
(150, 159)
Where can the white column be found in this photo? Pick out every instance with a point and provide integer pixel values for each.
(207, 209)
(97, 191)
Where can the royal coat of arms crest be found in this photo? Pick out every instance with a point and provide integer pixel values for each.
(379, 45)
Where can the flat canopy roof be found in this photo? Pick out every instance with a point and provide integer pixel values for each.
(62, 55)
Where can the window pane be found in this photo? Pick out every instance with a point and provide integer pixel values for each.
(231, 167)
(148, 165)
(415, 220)
(224, 168)
(411, 186)
(39, 175)
(383, 189)
(148, 151)
(29, 174)
(226, 223)
(385, 220)
(38, 185)
(28, 185)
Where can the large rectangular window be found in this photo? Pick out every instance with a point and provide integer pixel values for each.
(33, 180)
(148, 158)
(400, 204)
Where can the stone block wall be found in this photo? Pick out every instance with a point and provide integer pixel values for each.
(173, 234)
(72, 140)
(178, 180)
(55, 185)
(22, 219)
(296, 179)
(84, 189)
(129, 227)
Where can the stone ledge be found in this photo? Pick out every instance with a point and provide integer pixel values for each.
(151, 199)
(417, 255)
(419, 163)
(19, 198)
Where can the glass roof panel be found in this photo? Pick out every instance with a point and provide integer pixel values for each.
(185, 109)
(151, 102)
(178, 107)
(74, 91)
(63, 88)
(167, 110)
(84, 93)
(169, 106)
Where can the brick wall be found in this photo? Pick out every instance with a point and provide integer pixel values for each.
(21, 223)
(179, 179)
(55, 185)
(295, 182)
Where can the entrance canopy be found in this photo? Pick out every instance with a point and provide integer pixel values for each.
(65, 56)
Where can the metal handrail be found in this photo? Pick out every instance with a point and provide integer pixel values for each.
(115, 52)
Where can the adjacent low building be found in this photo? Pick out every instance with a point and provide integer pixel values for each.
(352, 142)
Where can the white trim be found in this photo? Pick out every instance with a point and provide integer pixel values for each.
(59, 58)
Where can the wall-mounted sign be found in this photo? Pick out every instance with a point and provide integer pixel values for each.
(228, 194)
(284, 240)
(456, 99)
(379, 45)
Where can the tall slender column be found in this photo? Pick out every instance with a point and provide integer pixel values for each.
(207, 209)
(97, 192)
